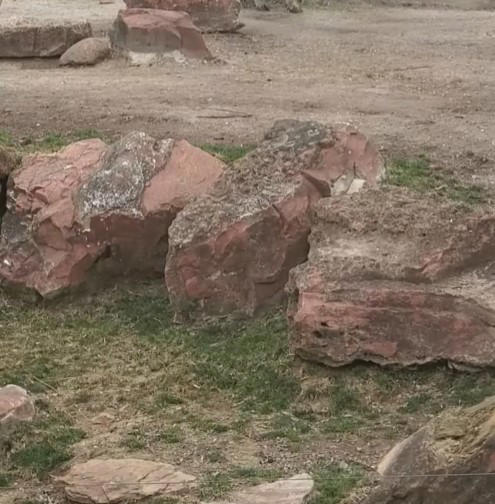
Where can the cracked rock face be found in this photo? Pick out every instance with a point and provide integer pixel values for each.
(231, 251)
(396, 280)
(459, 442)
(109, 481)
(93, 211)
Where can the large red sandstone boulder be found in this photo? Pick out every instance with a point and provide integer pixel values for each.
(450, 460)
(96, 209)
(207, 15)
(395, 280)
(150, 34)
(232, 250)
(28, 40)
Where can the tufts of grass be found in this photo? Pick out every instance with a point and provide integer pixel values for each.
(287, 426)
(333, 483)
(171, 435)
(135, 440)
(217, 485)
(250, 360)
(49, 142)
(227, 153)
(418, 175)
(214, 486)
(4, 480)
(470, 389)
(40, 447)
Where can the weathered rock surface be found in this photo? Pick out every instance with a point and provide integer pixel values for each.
(456, 450)
(207, 15)
(148, 35)
(396, 280)
(108, 481)
(28, 40)
(99, 210)
(232, 250)
(15, 406)
(89, 51)
(295, 490)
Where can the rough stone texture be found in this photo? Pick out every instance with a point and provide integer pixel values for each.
(28, 40)
(157, 33)
(207, 15)
(232, 250)
(396, 280)
(15, 406)
(89, 51)
(107, 481)
(96, 209)
(459, 441)
(295, 490)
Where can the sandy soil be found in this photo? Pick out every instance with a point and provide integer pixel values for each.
(416, 80)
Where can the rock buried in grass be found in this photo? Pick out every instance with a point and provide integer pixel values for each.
(108, 481)
(295, 490)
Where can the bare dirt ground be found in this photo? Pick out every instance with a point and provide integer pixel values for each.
(416, 80)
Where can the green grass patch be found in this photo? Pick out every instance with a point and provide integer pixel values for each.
(228, 153)
(284, 425)
(418, 175)
(49, 142)
(40, 447)
(171, 435)
(215, 485)
(333, 483)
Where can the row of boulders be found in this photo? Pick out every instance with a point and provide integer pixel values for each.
(451, 459)
(145, 32)
(91, 211)
(372, 275)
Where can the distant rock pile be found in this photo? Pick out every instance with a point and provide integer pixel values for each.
(207, 15)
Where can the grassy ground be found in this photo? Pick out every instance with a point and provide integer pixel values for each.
(226, 401)
(114, 376)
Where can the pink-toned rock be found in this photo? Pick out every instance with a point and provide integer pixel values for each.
(99, 210)
(15, 406)
(395, 279)
(28, 40)
(110, 481)
(451, 460)
(153, 33)
(207, 15)
(232, 250)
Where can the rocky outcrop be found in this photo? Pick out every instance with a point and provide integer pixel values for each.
(106, 481)
(295, 490)
(396, 280)
(147, 36)
(451, 459)
(232, 250)
(28, 40)
(207, 15)
(89, 51)
(92, 211)
(15, 406)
